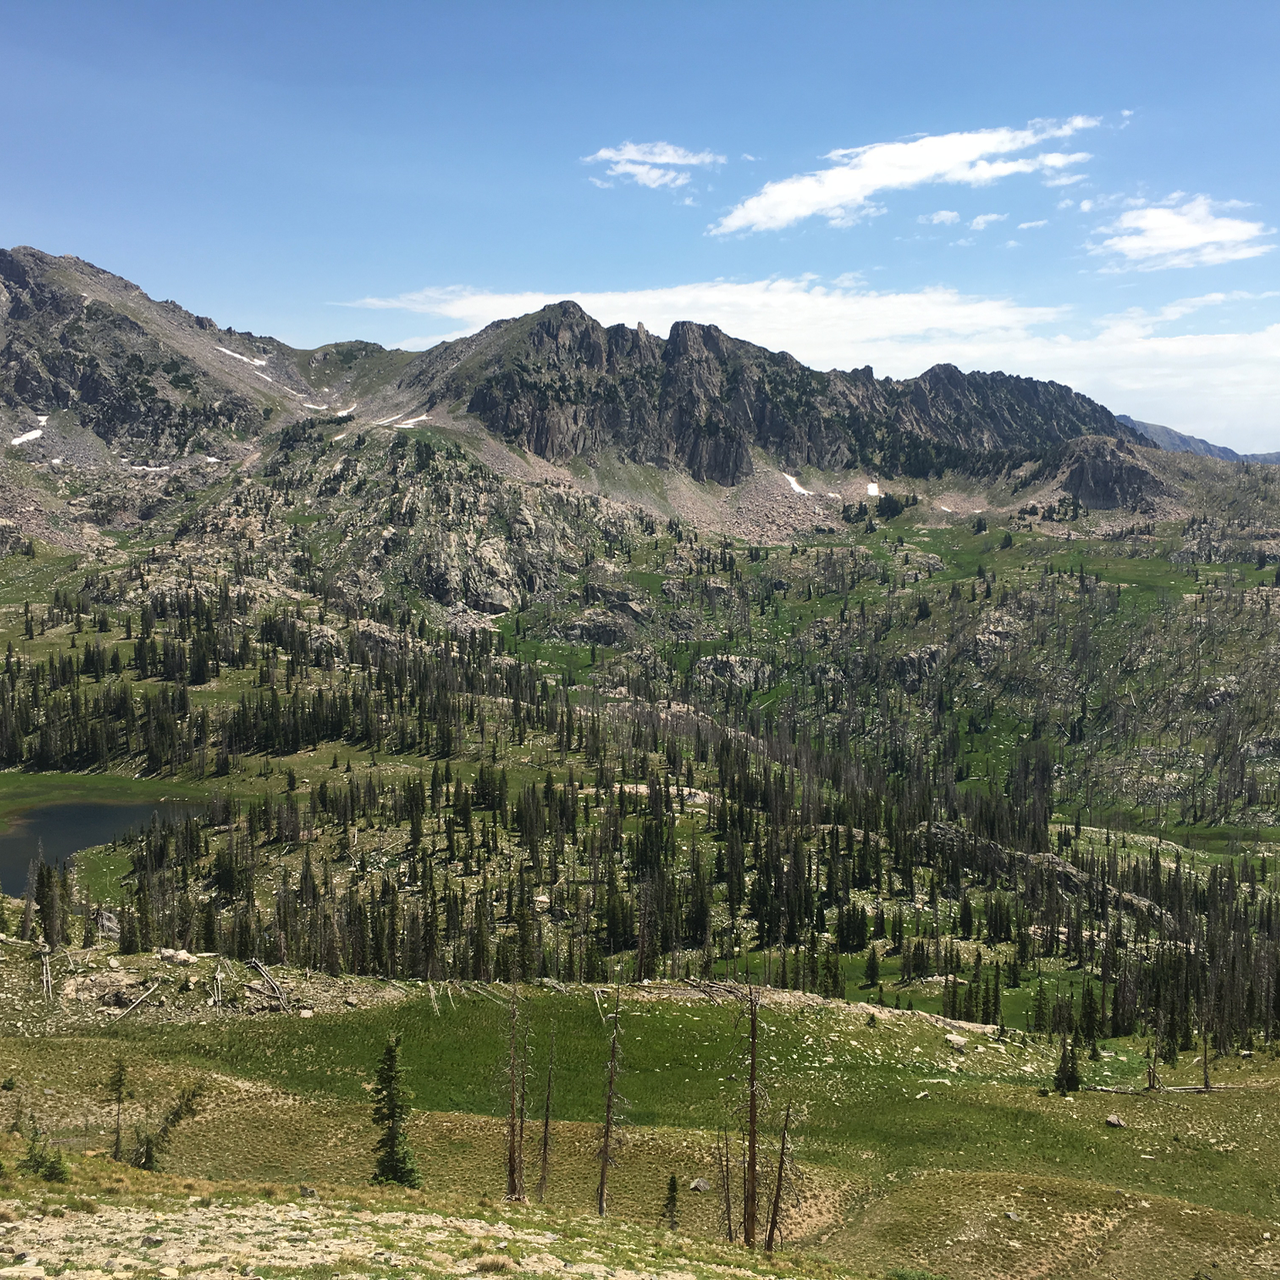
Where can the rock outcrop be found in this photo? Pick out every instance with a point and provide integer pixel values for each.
(560, 385)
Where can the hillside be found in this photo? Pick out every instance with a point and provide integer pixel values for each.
(498, 726)
(89, 350)
(560, 385)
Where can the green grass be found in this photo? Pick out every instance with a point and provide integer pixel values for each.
(21, 790)
(856, 1085)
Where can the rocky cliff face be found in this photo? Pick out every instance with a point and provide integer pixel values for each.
(148, 374)
(560, 385)
(1109, 474)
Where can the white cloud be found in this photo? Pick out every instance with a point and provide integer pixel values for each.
(1064, 179)
(984, 220)
(843, 193)
(1189, 235)
(1221, 385)
(1039, 222)
(651, 164)
(943, 216)
(826, 320)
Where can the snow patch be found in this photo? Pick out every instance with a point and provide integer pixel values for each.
(386, 422)
(342, 435)
(412, 422)
(136, 467)
(796, 486)
(305, 405)
(56, 461)
(873, 490)
(208, 457)
(266, 377)
(27, 436)
(346, 413)
(946, 509)
(235, 355)
(41, 419)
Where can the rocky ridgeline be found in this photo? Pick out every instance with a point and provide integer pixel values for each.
(560, 384)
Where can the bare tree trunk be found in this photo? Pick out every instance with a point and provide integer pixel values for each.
(726, 1172)
(606, 1149)
(1204, 1057)
(753, 1116)
(546, 1124)
(515, 1149)
(777, 1190)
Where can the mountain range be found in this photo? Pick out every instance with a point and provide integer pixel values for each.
(87, 349)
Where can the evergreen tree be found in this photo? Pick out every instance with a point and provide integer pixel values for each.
(873, 968)
(670, 1206)
(1040, 1009)
(1089, 1020)
(1066, 1079)
(391, 1110)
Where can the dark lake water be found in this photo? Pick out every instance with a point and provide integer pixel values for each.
(64, 829)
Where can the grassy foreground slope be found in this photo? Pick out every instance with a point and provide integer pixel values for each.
(910, 1153)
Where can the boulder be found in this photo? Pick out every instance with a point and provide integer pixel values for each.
(1114, 1122)
(700, 1185)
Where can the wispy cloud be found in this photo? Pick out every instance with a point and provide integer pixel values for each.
(843, 193)
(1039, 222)
(651, 164)
(1186, 235)
(944, 217)
(984, 220)
(1222, 385)
(825, 321)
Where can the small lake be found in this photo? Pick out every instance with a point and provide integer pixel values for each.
(64, 829)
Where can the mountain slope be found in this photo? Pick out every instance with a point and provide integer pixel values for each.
(145, 375)
(1179, 442)
(141, 376)
(559, 384)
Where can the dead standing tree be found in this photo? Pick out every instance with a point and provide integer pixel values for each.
(749, 1201)
(546, 1123)
(776, 1209)
(610, 1101)
(517, 1050)
(748, 1003)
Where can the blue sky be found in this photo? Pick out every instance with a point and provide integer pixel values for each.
(1085, 192)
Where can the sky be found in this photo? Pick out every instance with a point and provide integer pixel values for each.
(1085, 192)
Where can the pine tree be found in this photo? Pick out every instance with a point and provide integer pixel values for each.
(117, 1088)
(873, 968)
(1067, 1077)
(1089, 1020)
(670, 1206)
(391, 1110)
(1040, 1009)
